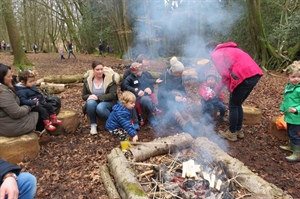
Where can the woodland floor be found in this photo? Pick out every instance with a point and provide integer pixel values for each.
(68, 165)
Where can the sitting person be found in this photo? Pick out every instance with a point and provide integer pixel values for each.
(14, 183)
(100, 93)
(15, 120)
(119, 122)
(210, 101)
(172, 97)
(30, 95)
(139, 84)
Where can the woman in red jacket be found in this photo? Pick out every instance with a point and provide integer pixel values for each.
(240, 73)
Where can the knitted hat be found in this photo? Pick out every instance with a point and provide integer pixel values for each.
(176, 66)
(294, 67)
(212, 73)
(135, 67)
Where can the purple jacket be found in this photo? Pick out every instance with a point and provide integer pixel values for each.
(234, 65)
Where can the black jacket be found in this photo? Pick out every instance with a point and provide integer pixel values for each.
(6, 167)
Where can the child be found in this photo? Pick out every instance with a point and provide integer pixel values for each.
(291, 108)
(61, 52)
(210, 101)
(139, 84)
(119, 121)
(30, 95)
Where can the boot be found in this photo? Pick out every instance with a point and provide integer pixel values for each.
(54, 119)
(49, 126)
(228, 135)
(288, 147)
(295, 157)
(240, 134)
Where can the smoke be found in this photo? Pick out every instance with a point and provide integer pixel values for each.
(179, 27)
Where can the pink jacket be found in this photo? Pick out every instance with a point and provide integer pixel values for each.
(234, 65)
(208, 93)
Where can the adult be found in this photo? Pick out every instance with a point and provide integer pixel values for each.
(15, 120)
(70, 49)
(14, 183)
(34, 48)
(100, 48)
(239, 73)
(100, 93)
(172, 97)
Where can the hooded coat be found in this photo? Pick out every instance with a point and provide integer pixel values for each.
(234, 65)
(110, 81)
(120, 118)
(15, 120)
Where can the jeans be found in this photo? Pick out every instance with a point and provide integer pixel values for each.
(102, 109)
(209, 106)
(27, 185)
(237, 97)
(294, 133)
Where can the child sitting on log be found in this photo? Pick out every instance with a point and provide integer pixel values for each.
(211, 102)
(291, 107)
(119, 122)
(30, 95)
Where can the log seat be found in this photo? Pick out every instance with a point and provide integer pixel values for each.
(70, 122)
(252, 115)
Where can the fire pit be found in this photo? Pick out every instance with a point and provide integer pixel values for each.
(201, 170)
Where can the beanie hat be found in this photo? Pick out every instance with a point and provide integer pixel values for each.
(135, 67)
(212, 73)
(176, 66)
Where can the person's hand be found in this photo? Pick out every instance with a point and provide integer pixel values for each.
(158, 81)
(148, 90)
(141, 93)
(136, 89)
(292, 110)
(135, 138)
(180, 99)
(9, 187)
(92, 97)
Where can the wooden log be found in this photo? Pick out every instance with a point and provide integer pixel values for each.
(161, 146)
(128, 186)
(19, 149)
(252, 115)
(64, 78)
(108, 183)
(52, 88)
(245, 177)
(70, 122)
(281, 134)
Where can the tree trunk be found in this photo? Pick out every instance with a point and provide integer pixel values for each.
(14, 37)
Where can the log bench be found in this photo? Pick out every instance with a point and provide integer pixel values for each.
(19, 149)
(280, 134)
(252, 115)
(70, 122)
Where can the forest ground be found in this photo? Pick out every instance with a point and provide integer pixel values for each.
(68, 165)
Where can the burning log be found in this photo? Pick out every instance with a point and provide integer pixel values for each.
(241, 174)
(160, 146)
(128, 186)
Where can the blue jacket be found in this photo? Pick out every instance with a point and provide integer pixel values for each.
(120, 118)
(6, 167)
(27, 95)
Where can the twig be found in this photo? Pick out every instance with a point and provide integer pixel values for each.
(143, 164)
(248, 194)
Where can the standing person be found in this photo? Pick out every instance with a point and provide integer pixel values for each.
(34, 48)
(14, 183)
(139, 84)
(211, 101)
(119, 122)
(15, 120)
(172, 97)
(70, 49)
(30, 95)
(240, 74)
(61, 52)
(290, 107)
(107, 48)
(100, 93)
(100, 47)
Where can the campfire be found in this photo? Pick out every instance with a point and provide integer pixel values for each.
(180, 178)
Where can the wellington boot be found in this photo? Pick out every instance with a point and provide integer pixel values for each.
(54, 119)
(49, 126)
(295, 157)
(288, 147)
